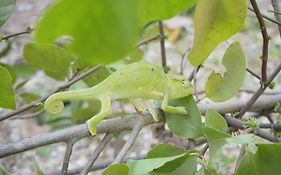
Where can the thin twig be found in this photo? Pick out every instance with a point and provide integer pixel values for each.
(276, 8)
(267, 17)
(191, 76)
(148, 40)
(96, 167)
(253, 73)
(204, 150)
(259, 92)
(41, 100)
(162, 45)
(6, 37)
(96, 153)
(67, 155)
(182, 60)
(266, 38)
(241, 154)
(278, 13)
(134, 134)
(28, 116)
(195, 86)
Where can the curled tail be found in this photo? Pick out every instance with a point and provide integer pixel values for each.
(54, 104)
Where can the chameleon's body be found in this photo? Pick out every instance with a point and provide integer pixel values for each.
(138, 80)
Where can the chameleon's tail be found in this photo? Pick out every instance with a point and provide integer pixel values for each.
(54, 104)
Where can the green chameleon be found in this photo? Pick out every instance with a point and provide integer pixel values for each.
(140, 80)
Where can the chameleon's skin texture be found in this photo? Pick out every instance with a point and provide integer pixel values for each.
(138, 80)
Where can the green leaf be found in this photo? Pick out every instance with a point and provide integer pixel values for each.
(177, 166)
(267, 159)
(7, 97)
(3, 170)
(215, 21)
(81, 114)
(215, 121)
(103, 31)
(217, 139)
(11, 71)
(39, 171)
(140, 167)
(52, 59)
(6, 9)
(29, 97)
(190, 125)
(159, 9)
(116, 169)
(24, 71)
(247, 165)
(221, 88)
(185, 165)
(135, 55)
(97, 77)
(164, 150)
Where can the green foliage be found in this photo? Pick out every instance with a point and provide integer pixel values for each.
(221, 88)
(251, 122)
(4, 171)
(100, 29)
(215, 21)
(189, 125)
(52, 59)
(265, 161)
(11, 71)
(116, 169)
(6, 9)
(157, 9)
(215, 121)
(97, 77)
(7, 97)
(39, 171)
(29, 97)
(164, 150)
(103, 31)
(217, 139)
(164, 159)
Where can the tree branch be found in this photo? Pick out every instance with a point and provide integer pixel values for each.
(259, 92)
(266, 38)
(253, 73)
(134, 134)
(276, 11)
(162, 46)
(96, 153)
(67, 155)
(41, 100)
(27, 31)
(128, 123)
(155, 37)
(267, 17)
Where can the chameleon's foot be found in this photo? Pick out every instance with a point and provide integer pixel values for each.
(92, 127)
(177, 110)
(181, 110)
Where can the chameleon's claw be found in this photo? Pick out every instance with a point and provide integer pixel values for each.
(92, 127)
(181, 110)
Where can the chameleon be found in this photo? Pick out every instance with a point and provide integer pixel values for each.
(139, 80)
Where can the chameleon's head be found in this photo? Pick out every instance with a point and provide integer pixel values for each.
(179, 86)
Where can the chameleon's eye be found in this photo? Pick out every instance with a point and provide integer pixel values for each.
(184, 83)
